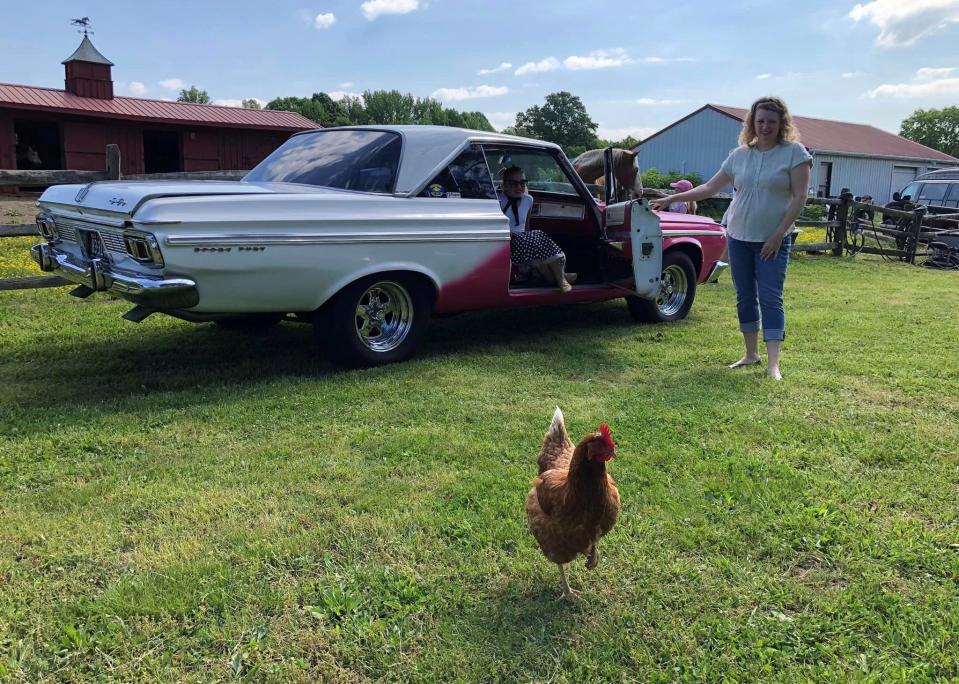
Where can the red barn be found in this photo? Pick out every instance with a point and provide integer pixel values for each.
(46, 128)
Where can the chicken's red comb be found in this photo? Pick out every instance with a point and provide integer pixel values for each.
(607, 436)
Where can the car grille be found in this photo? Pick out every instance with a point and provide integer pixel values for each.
(112, 239)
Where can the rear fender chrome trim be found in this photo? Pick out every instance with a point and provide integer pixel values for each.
(331, 238)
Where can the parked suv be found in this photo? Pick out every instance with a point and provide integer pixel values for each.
(938, 190)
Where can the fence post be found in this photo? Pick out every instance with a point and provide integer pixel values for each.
(113, 162)
(915, 229)
(842, 215)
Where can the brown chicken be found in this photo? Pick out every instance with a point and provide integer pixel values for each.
(573, 502)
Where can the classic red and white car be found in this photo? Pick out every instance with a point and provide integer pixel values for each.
(366, 232)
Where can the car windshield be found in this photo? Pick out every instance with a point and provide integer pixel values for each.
(365, 161)
(909, 192)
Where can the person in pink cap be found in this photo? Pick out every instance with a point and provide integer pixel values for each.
(682, 207)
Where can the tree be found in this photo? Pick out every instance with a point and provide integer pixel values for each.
(477, 121)
(319, 107)
(389, 107)
(251, 104)
(562, 120)
(935, 128)
(194, 95)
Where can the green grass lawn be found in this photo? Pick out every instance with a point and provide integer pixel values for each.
(180, 503)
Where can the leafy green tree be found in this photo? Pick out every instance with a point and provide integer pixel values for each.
(251, 104)
(654, 178)
(562, 119)
(477, 121)
(389, 107)
(935, 128)
(320, 108)
(354, 110)
(194, 95)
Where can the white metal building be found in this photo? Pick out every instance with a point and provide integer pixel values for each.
(863, 158)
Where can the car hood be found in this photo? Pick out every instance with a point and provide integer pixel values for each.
(123, 198)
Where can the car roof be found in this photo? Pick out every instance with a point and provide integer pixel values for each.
(940, 174)
(426, 149)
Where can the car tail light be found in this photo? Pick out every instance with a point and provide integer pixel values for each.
(143, 247)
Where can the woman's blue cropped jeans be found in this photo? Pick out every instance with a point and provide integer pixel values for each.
(759, 287)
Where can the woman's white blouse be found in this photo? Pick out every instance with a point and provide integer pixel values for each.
(763, 188)
(525, 204)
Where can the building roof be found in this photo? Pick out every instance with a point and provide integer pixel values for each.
(85, 52)
(842, 137)
(154, 111)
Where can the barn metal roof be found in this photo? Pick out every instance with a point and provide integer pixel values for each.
(841, 137)
(154, 111)
(87, 53)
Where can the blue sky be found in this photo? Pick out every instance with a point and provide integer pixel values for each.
(637, 66)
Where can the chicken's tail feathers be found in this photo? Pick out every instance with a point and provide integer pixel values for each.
(557, 428)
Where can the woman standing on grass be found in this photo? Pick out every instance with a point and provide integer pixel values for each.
(770, 171)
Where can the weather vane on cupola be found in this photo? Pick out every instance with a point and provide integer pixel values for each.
(84, 23)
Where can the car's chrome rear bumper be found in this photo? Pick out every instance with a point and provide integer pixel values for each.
(718, 268)
(100, 276)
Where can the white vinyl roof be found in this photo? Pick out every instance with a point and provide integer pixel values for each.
(427, 148)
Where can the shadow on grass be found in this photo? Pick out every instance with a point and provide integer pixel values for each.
(108, 367)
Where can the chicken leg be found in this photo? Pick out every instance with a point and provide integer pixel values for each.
(593, 558)
(568, 592)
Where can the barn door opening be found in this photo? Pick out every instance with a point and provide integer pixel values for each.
(38, 145)
(825, 178)
(161, 152)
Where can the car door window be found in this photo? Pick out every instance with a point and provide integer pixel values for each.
(952, 197)
(933, 193)
(909, 192)
(467, 177)
(542, 170)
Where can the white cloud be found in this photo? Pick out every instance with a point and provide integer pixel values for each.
(763, 77)
(227, 102)
(664, 60)
(340, 94)
(137, 89)
(457, 94)
(346, 85)
(903, 22)
(501, 120)
(652, 101)
(324, 21)
(931, 74)
(852, 74)
(548, 64)
(638, 132)
(597, 59)
(505, 66)
(374, 8)
(172, 84)
(927, 82)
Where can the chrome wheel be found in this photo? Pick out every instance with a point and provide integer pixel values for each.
(673, 288)
(384, 316)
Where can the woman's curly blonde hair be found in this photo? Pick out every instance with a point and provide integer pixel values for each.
(787, 131)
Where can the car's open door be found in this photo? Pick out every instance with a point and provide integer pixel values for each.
(633, 228)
